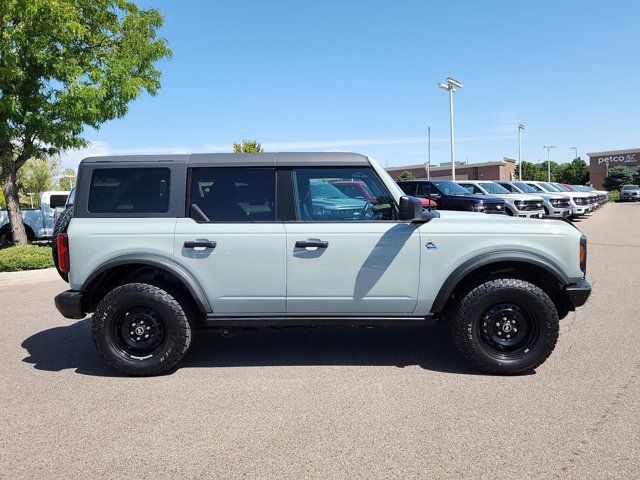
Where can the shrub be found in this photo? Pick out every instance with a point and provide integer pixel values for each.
(25, 257)
(614, 196)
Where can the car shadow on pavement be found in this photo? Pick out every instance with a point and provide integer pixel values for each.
(431, 348)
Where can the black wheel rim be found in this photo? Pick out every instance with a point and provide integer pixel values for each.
(508, 330)
(138, 332)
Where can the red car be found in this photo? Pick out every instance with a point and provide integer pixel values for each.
(359, 189)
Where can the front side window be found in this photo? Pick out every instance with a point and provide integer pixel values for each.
(129, 190)
(340, 194)
(234, 194)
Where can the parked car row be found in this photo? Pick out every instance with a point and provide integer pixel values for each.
(526, 199)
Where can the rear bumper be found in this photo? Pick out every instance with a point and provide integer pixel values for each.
(69, 304)
(578, 293)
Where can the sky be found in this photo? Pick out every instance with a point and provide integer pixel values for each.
(362, 76)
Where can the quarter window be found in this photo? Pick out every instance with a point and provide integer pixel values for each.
(341, 195)
(234, 194)
(129, 190)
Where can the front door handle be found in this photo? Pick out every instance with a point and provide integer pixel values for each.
(200, 244)
(311, 244)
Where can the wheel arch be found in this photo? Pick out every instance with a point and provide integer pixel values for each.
(31, 235)
(133, 264)
(521, 264)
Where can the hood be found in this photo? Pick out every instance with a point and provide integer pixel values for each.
(481, 198)
(522, 196)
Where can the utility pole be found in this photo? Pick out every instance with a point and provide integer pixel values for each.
(548, 147)
(520, 128)
(429, 153)
(575, 157)
(450, 86)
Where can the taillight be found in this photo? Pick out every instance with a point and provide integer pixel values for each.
(63, 252)
(583, 254)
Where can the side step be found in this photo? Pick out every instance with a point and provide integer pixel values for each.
(307, 321)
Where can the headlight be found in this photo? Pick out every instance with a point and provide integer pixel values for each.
(519, 204)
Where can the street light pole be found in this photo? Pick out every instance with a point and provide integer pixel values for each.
(520, 128)
(450, 86)
(575, 157)
(429, 153)
(548, 147)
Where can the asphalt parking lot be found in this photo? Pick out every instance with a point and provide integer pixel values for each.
(332, 402)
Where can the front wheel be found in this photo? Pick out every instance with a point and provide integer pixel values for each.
(505, 326)
(141, 329)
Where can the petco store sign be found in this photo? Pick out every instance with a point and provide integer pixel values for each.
(622, 158)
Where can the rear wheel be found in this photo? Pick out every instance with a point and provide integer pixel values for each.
(141, 329)
(505, 326)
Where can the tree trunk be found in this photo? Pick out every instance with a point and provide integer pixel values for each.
(8, 177)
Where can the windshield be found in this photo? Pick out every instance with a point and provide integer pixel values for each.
(561, 187)
(535, 187)
(631, 187)
(548, 187)
(450, 188)
(326, 190)
(526, 188)
(494, 188)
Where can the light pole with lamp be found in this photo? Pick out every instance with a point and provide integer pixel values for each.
(520, 129)
(575, 157)
(548, 147)
(450, 86)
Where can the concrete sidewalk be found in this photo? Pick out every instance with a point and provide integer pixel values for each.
(28, 276)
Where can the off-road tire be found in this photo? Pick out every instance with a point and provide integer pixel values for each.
(61, 226)
(177, 329)
(471, 311)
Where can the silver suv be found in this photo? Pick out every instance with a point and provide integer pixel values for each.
(630, 192)
(159, 246)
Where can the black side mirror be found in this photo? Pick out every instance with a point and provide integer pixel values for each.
(410, 209)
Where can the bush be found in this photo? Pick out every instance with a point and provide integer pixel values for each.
(614, 196)
(25, 257)
(617, 177)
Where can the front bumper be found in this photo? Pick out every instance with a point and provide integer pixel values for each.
(69, 304)
(530, 214)
(578, 293)
(580, 210)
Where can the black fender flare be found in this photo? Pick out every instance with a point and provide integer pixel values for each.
(488, 258)
(181, 273)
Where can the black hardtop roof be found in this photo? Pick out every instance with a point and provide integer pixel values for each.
(241, 159)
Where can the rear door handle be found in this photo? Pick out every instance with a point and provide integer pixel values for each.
(200, 244)
(311, 244)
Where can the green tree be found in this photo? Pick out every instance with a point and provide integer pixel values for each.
(406, 175)
(617, 177)
(66, 65)
(68, 179)
(3, 203)
(533, 171)
(636, 177)
(247, 146)
(35, 177)
(575, 172)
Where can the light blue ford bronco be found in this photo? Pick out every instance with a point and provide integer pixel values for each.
(160, 246)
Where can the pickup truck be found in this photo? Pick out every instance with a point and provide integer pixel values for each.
(161, 246)
(451, 196)
(39, 222)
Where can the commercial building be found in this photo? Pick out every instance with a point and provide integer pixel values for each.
(505, 169)
(600, 162)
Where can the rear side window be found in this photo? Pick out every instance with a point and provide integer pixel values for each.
(57, 201)
(234, 194)
(129, 190)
